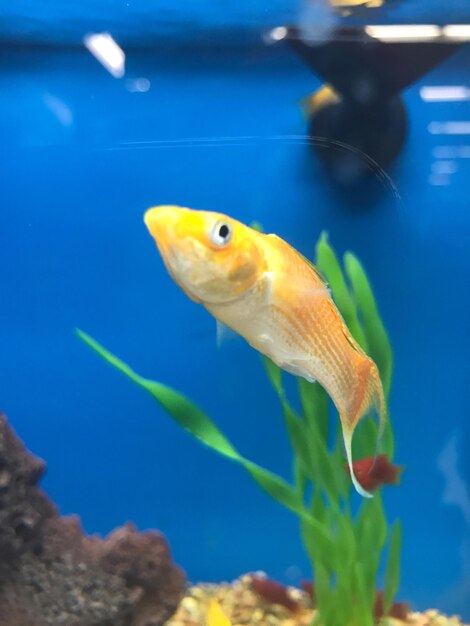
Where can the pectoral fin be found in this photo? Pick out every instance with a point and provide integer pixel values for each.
(223, 334)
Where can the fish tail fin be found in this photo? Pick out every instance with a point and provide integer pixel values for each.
(348, 433)
(370, 393)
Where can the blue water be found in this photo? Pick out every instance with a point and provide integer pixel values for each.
(83, 155)
(145, 22)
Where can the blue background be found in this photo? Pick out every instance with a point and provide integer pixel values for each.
(82, 157)
(142, 22)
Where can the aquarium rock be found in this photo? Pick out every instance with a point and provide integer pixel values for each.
(51, 573)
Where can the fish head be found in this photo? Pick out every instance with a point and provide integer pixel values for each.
(212, 257)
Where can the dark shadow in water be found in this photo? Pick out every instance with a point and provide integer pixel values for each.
(358, 181)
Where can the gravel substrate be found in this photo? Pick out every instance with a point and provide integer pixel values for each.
(243, 606)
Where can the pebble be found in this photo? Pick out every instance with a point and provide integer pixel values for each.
(244, 608)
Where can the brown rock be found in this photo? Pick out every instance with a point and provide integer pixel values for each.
(51, 573)
(24, 508)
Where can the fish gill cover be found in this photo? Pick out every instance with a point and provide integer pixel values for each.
(347, 545)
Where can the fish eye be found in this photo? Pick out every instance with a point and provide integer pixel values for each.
(221, 234)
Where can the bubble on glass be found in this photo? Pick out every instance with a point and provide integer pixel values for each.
(293, 573)
(59, 109)
(138, 85)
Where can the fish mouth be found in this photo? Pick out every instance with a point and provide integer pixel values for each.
(161, 222)
(175, 246)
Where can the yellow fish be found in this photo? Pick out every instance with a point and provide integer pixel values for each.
(263, 289)
(215, 616)
(319, 99)
(351, 4)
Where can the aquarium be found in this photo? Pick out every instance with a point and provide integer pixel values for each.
(234, 313)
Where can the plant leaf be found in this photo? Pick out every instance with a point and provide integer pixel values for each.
(196, 422)
(275, 376)
(392, 571)
(329, 265)
(345, 543)
(324, 469)
(323, 594)
(364, 602)
(314, 401)
(301, 478)
(365, 438)
(299, 437)
(371, 533)
(296, 427)
(377, 339)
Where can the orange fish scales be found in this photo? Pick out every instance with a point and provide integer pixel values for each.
(335, 333)
(307, 320)
(293, 326)
(331, 350)
(331, 347)
(362, 397)
(280, 326)
(315, 346)
(317, 333)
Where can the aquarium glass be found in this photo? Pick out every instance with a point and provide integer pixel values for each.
(343, 128)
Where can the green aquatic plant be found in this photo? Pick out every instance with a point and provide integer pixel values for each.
(345, 543)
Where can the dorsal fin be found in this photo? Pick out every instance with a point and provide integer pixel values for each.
(352, 342)
(314, 269)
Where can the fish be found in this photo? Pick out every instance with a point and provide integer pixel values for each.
(273, 592)
(348, 4)
(319, 99)
(215, 615)
(374, 472)
(259, 286)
